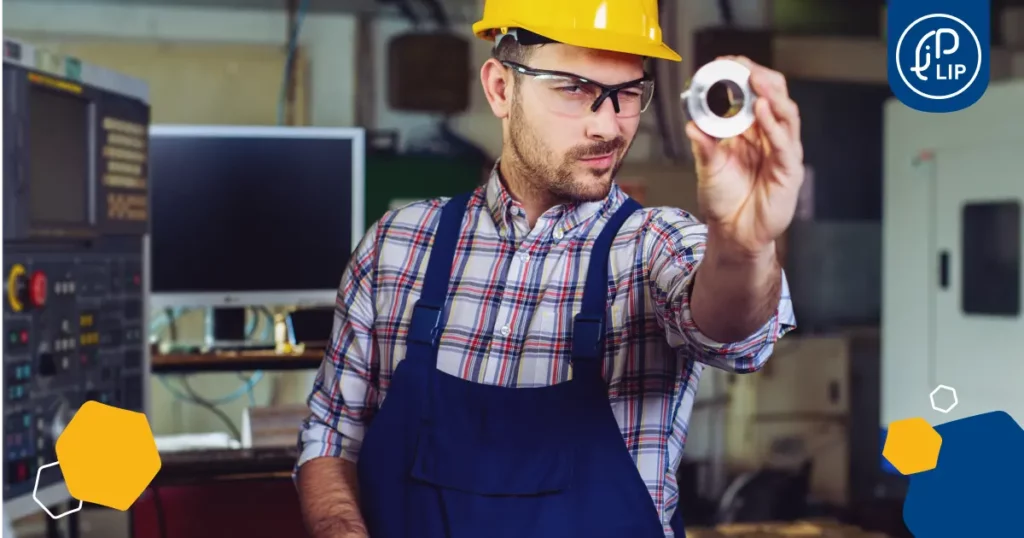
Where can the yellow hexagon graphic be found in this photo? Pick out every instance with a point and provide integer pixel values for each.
(108, 455)
(912, 446)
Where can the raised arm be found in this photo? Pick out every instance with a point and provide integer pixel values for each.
(747, 188)
(727, 316)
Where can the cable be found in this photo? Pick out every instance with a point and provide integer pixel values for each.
(725, 10)
(252, 324)
(438, 12)
(291, 329)
(293, 45)
(268, 328)
(249, 384)
(246, 388)
(661, 120)
(161, 516)
(172, 325)
(202, 402)
(405, 8)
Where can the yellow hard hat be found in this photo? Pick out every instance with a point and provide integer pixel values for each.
(629, 26)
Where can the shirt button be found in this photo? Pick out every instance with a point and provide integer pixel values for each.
(505, 331)
(558, 235)
(525, 257)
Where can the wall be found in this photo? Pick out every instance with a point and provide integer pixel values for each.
(328, 39)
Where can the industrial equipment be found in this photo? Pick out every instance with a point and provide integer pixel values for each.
(253, 216)
(952, 244)
(75, 211)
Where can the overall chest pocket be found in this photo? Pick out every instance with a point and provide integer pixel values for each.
(491, 440)
(494, 461)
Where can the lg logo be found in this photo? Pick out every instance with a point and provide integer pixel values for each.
(939, 63)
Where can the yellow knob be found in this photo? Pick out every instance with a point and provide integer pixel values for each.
(15, 287)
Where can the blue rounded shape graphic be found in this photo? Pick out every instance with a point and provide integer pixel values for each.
(977, 487)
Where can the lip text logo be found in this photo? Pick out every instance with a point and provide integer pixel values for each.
(938, 53)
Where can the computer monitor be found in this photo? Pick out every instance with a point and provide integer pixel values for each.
(253, 216)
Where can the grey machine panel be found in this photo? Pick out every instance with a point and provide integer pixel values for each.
(75, 215)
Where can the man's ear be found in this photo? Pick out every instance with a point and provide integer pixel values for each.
(497, 82)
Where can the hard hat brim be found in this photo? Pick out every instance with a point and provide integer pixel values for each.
(590, 38)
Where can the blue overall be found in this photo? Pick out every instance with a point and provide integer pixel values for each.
(449, 458)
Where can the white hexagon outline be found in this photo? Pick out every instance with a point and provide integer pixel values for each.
(931, 398)
(35, 495)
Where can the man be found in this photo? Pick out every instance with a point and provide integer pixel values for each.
(523, 360)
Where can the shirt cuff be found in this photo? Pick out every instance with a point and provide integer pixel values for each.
(749, 354)
(320, 441)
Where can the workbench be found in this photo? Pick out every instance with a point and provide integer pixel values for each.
(234, 361)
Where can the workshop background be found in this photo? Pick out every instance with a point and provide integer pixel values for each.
(798, 441)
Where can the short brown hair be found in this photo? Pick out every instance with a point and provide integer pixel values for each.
(509, 49)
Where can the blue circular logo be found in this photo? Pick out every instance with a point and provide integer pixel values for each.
(938, 56)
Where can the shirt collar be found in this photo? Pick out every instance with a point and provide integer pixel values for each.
(504, 209)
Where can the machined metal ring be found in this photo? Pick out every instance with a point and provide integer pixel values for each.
(695, 99)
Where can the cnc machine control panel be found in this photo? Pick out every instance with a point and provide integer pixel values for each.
(75, 215)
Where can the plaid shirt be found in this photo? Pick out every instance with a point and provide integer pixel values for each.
(516, 291)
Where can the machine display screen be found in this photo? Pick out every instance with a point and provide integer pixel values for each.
(58, 156)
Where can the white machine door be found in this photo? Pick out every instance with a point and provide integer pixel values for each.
(977, 327)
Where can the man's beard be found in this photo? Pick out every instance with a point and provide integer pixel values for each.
(557, 181)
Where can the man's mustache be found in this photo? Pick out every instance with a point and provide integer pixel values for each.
(598, 149)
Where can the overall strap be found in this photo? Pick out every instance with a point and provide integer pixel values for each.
(588, 325)
(428, 313)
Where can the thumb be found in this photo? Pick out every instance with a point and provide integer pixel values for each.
(701, 143)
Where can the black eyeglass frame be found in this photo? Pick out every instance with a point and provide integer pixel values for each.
(607, 91)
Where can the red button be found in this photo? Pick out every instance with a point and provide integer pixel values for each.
(37, 289)
(22, 472)
(136, 280)
(23, 337)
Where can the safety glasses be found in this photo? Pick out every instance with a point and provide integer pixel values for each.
(572, 95)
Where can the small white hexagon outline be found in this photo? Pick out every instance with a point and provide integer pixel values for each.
(35, 494)
(931, 398)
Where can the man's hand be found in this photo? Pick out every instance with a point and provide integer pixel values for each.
(747, 186)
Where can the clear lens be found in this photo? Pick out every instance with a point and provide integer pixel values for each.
(574, 97)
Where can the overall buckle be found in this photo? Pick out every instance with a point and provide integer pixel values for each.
(587, 336)
(425, 326)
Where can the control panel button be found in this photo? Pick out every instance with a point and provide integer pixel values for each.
(18, 471)
(15, 392)
(20, 372)
(16, 288)
(38, 288)
(17, 337)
